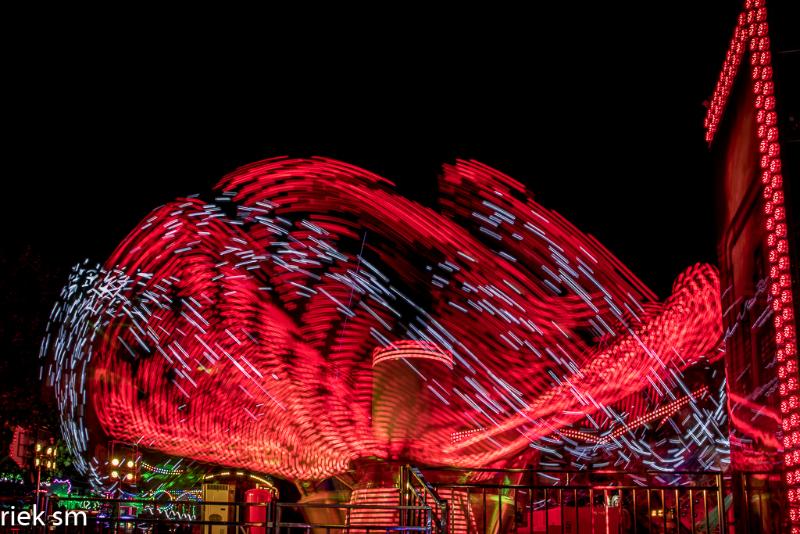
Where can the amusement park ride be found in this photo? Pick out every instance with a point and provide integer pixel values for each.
(308, 322)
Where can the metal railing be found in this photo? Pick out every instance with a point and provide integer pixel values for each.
(141, 516)
(416, 491)
(472, 501)
(502, 501)
(759, 501)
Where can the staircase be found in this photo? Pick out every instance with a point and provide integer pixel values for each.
(384, 501)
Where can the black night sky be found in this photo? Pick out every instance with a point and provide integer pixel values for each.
(599, 111)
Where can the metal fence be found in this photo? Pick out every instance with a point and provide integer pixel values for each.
(465, 501)
(147, 516)
(526, 501)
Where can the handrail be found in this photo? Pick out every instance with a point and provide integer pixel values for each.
(479, 485)
(587, 470)
(273, 514)
(584, 478)
(642, 472)
(411, 479)
(244, 503)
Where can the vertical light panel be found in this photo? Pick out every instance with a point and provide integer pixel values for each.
(752, 34)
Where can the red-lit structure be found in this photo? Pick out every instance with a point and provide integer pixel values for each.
(753, 103)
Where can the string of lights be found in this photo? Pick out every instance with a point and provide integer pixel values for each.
(752, 35)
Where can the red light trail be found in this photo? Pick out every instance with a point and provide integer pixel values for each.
(310, 316)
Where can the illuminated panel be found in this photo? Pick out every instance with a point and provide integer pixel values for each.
(458, 436)
(20, 441)
(413, 350)
(663, 412)
(730, 67)
(160, 470)
(752, 33)
(386, 498)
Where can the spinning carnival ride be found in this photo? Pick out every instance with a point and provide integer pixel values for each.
(308, 316)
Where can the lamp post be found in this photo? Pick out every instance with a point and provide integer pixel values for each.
(124, 463)
(45, 457)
